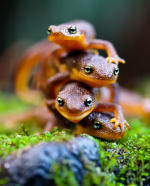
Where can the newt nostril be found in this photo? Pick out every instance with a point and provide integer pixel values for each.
(74, 108)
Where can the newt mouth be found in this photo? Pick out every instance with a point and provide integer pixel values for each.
(75, 118)
(92, 82)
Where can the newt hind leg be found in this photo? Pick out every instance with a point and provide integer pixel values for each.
(118, 119)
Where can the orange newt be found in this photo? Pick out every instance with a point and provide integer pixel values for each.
(87, 68)
(95, 124)
(35, 56)
(91, 69)
(75, 101)
(99, 125)
(79, 35)
(38, 54)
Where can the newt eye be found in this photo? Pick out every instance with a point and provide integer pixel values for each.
(88, 102)
(88, 69)
(49, 31)
(116, 71)
(60, 102)
(97, 124)
(72, 29)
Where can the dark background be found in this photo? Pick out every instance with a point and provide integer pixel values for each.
(126, 23)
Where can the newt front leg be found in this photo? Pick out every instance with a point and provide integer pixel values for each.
(58, 54)
(55, 82)
(118, 119)
(109, 48)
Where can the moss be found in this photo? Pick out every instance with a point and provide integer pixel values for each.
(126, 161)
(20, 139)
(62, 176)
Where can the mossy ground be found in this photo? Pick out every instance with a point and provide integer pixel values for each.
(126, 161)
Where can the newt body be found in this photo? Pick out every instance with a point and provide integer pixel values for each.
(42, 52)
(99, 125)
(35, 56)
(79, 35)
(72, 35)
(87, 68)
(75, 101)
(91, 69)
(95, 124)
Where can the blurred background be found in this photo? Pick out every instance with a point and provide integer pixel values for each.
(126, 23)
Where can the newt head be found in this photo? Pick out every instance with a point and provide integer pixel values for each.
(94, 70)
(98, 124)
(75, 101)
(68, 36)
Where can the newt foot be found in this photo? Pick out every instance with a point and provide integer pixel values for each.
(115, 60)
(118, 123)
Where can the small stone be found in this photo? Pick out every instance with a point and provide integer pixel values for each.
(33, 166)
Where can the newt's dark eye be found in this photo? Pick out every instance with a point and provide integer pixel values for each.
(60, 101)
(49, 31)
(88, 102)
(116, 71)
(88, 69)
(72, 29)
(97, 124)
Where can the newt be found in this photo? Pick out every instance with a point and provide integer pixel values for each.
(87, 68)
(95, 124)
(98, 124)
(79, 35)
(38, 54)
(75, 101)
(34, 56)
(91, 69)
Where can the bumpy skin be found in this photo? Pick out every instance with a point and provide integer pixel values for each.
(70, 42)
(74, 108)
(95, 124)
(41, 53)
(74, 96)
(38, 54)
(81, 38)
(118, 119)
(98, 124)
(102, 73)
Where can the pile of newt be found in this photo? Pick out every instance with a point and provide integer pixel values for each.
(77, 83)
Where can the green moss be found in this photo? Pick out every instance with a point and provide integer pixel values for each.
(62, 175)
(126, 161)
